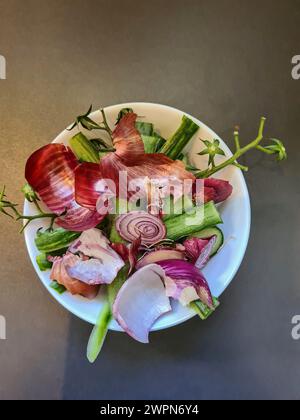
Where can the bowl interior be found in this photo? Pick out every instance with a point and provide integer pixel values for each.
(235, 213)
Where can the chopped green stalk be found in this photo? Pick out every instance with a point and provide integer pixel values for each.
(100, 330)
(171, 209)
(203, 310)
(150, 144)
(175, 145)
(145, 128)
(114, 235)
(59, 288)
(99, 333)
(84, 149)
(160, 142)
(43, 263)
(116, 285)
(54, 240)
(193, 221)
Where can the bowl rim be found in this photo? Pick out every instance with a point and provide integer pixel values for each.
(247, 226)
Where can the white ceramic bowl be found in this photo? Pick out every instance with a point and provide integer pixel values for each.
(235, 212)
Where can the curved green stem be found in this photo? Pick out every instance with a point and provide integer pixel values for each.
(239, 152)
(262, 149)
(6, 206)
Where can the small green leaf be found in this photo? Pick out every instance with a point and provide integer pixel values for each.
(86, 122)
(212, 150)
(43, 263)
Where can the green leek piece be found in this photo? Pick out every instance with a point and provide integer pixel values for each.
(175, 145)
(53, 240)
(150, 143)
(100, 330)
(84, 149)
(194, 220)
(144, 128)
(160, 142)
(203, 310)
(171, 209)
(59, 288)
(99, 333)
(43, 263)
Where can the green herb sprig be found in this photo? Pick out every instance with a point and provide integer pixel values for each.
(213, 149)
(9, 208)
(86, 122)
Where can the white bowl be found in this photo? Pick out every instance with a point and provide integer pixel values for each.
(236, 214)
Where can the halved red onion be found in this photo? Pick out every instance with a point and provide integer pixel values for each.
(137, 224)
(160, 255)
(141, 301)
(185, 282)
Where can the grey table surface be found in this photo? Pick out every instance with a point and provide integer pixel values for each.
(225, 62)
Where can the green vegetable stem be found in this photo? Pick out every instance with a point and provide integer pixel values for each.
(9, 208)
(175, 145)
(193, 221)
(212, 149)
(100, 330)
(203, 310)
(49, 241)
(84, 149)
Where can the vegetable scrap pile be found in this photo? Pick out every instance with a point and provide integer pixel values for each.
(141, 252)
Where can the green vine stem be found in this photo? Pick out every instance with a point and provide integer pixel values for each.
(6, 207)
(276, 148)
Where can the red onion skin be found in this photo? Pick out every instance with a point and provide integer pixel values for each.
(185, 274)
(160, 255)
(51, 173)
(205, 254)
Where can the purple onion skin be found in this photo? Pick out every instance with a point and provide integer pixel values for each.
(160, 255)
(186, 274)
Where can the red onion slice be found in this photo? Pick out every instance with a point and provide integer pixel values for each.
(137, 224)
(185, 282)
(160, 255)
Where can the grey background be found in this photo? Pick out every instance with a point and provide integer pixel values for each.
(226, 62)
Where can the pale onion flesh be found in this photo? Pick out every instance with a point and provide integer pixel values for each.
(141, 301)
